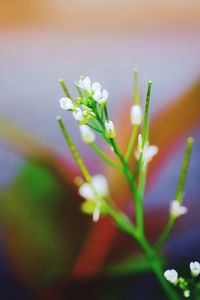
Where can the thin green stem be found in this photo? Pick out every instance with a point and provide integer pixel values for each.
(105, 157)
(62, 83)
(74, 151)
(146, 115)
(127, 172)
(131, 142)
(106, 113)
(179, 193)
(79, 91)
(94, 128)
(157, 268)
(143, 165)
(139, 201)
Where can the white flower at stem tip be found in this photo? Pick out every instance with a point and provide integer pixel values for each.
(85, 84)
(136, 115)
(90, 192)
(176, 209)
(87, 135)
(147, 151)
(171, 276)
(195, 268)
(100, 97)
(96, 87)
(110, 129)
(66, 103)
(79, 116)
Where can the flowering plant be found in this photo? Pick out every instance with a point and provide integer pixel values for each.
(90, 110)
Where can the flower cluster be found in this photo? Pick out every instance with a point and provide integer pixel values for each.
(88, 108)
(182, 283)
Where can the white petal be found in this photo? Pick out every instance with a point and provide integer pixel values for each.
(171, 275)
(96, 214)
(78, 114)
(176, 210)
(96, 87)
(100, 185)
(97, 96)
(66, 103)
(87, 84)
(87, 134)
(150, 152)
(195, 268)
(105, 95)
(86, 191)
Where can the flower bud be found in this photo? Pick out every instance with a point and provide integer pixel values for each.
(136, 115)
(110, 129)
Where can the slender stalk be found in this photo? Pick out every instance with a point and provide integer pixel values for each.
(142, 167)
(62, 83)
(79, 91)
(135, 127)
(179, 192)
(105, 157)
(157, 268)
(131, 144)
(74, 150)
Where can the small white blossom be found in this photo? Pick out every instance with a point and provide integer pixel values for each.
(87, 135)
(79, 116)
(96, 87)
(85, 84)
(171, 276)
(136, 115)
(100, 97)
(90, 192)
(66, 103)
(186, 293)
(148, 151)
(176, 209)
(195, 268)
(110, 129)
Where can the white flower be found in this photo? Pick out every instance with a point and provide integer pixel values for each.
(100, 97)
(85, 84)
(79, 116)
(90, 192)
(148, 151)
(66, 103)
(110, 129)
(176, 209)
(171, 276)
(186, 293)
(136, 115)
(96, 86)
(87, 134)
(195, 268)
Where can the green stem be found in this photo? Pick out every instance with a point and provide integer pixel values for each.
(105, 157)
(74, 151)
(139, 201)
(127, 172)
(179, 192)
(131, 142)
(62, 83)
(157, 268)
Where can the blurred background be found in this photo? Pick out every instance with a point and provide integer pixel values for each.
(48, 249)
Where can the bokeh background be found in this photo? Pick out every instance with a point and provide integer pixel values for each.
(48, 250)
